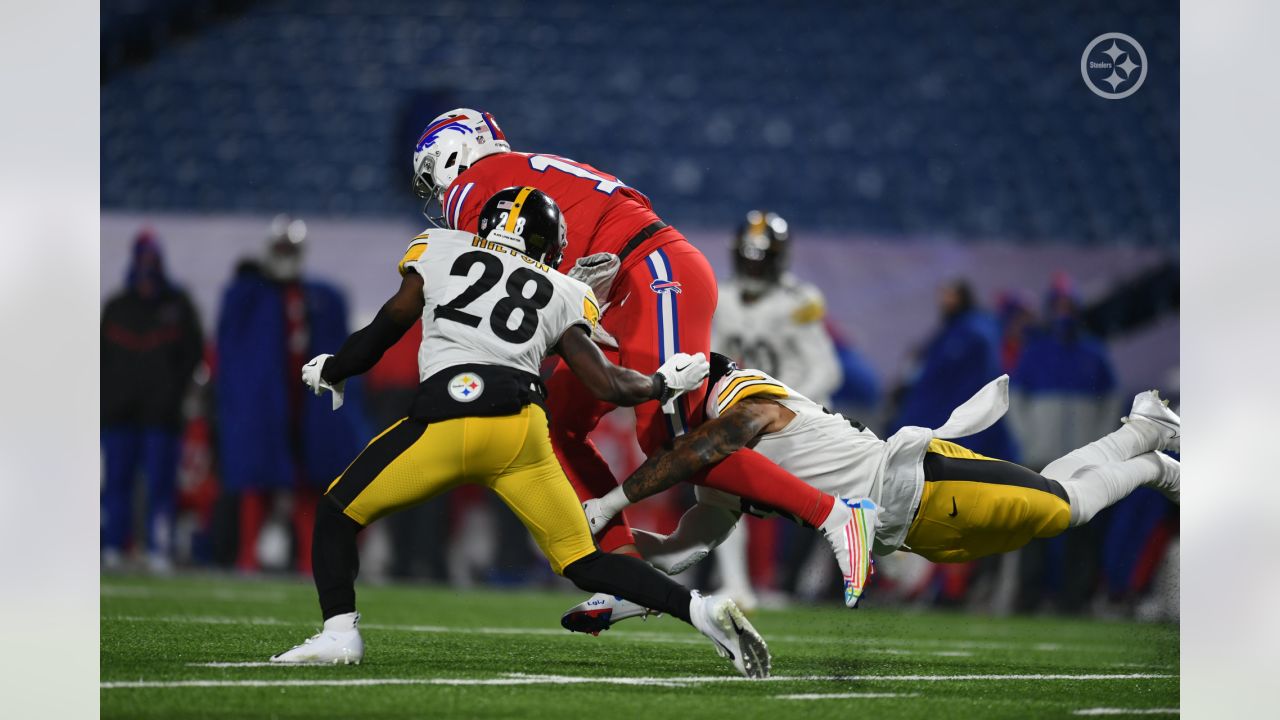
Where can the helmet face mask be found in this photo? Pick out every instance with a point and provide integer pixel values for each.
(447, 147)
(761, 251)
(527, 220)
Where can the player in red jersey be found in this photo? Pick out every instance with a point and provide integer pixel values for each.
(658, 303)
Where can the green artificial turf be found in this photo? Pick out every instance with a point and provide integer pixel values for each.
(160, 631)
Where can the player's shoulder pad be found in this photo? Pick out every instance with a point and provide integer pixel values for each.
(810, 306)
(739, 384)
(420, 242)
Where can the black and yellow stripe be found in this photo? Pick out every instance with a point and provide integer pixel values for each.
(516, 206)
(416, 248)
(746, 385)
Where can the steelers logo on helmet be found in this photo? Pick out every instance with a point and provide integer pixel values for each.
(465, 387)
(527, 220)
(761, 248)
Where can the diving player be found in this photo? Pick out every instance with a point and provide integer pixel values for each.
(492, 307)
(658, 292)
(935, 498)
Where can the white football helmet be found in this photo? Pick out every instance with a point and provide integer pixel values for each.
(449, 145)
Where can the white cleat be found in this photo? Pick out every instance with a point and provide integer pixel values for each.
(1170, 482)
(338, 643)
(734, 637)
(850, 530)
(1148, 406)
(600, 612)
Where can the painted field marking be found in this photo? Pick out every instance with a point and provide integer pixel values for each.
(960, 648)
(1128, 711)
(529, 679)
(842, 696)
(225, 594)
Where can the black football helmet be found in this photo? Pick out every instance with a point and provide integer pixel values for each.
(721, 365)
(528, 220)
(761, 251)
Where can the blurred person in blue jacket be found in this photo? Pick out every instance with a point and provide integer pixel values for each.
(150, 346)
(278, 445)
(961, 357)
(1062, 392)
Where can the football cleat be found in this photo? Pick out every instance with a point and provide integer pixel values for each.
(1148, 406)
(851, 530)
(732, 634)
(338, 643)
(600, 612)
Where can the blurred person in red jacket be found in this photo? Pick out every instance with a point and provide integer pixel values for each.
(150, 347)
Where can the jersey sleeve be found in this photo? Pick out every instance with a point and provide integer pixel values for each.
(578, 306)
(810, 306)
(462, 204)
(413, 253)
(740, 384)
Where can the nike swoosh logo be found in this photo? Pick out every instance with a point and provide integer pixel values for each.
(954, 510)
(682, 367)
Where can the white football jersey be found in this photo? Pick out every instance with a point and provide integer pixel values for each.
(781, 333)
(489, 304)
(821, 448)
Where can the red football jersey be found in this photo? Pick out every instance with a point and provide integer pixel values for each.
(601, 213)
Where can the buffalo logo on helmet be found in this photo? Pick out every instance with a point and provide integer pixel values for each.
(432, 133)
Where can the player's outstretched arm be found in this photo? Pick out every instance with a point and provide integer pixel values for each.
(365, 347)
(624, 386)
(710, 443)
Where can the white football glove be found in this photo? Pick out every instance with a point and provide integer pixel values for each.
(597, 515)
(682, 373)
(311, 377)
(597, 271)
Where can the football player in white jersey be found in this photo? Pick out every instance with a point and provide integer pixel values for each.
(766, 318)
(934, 498)
(492, 307)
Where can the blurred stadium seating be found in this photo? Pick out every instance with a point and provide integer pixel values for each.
(949, 119)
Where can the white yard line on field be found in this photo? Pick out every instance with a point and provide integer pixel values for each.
(528, 679)
(842, 696)
(227, 594)
(1128, 711)
(897, 646)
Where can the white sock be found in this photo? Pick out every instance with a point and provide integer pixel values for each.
(731, 559)
(345, 622)
(1130, 441)
(839, 515)
(614, 501)
(1093, 488)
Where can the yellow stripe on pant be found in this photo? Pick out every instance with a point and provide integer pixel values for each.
(962, 520)
(413, 462)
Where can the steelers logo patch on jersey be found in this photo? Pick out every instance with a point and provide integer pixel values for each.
(465, 387)
(590, 310)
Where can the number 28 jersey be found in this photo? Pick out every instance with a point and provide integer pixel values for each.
(489, 304)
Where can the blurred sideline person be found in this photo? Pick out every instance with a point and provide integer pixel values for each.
(478, 418)
(960, 357)
(277, 446)
(659, 294)
(934, 498)
(151, 343)
(1063, 393)
(766, 318)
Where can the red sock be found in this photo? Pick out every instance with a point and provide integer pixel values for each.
(253, 512)
(750, 475)
(304, 521)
